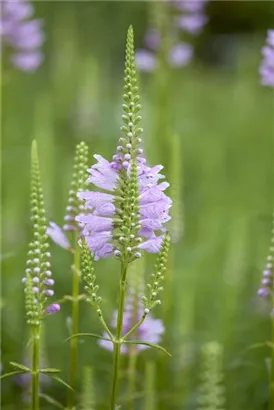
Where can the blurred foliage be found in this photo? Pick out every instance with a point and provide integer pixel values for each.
(224, 119)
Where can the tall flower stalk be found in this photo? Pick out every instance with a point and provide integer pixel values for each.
(75, 207)
(38, 284)
(38, 275)
(124, 220)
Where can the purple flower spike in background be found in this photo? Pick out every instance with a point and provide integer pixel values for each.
(190, 21)
(267, 66)
(22, 37)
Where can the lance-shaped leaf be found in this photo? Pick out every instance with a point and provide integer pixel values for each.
(51, 400)
(88, 334)
(143, 342)
(10, 374)
(58, 379)
(20, 366)
(49, 370)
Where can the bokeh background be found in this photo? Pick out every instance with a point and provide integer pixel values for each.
(211, 124)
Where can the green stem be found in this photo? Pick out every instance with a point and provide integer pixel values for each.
(75, 320)
(131, 376)
(119, 331)
(35, 369)
(135, 327)
(105, 326)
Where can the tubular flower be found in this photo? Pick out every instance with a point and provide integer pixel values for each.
(267, 66)
(130, 214)
(190, 21)
(150, 330)
(22, 35)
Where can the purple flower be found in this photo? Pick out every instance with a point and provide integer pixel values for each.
(53, 308)
(192, 24)
(153, 39)
(263, 292)
(150, 330)
(57, 235)
(99, 224)
(180, 55)
(267, 65)
(24, 37)
(145, 60)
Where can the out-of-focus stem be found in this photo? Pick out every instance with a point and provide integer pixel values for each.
(35, 368)
(75, 320)
(131, 376)
(119, 330)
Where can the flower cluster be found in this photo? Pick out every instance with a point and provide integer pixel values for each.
(126, 217)
(75, 204)
(190, 21)
(150, 330)
(266, 288)
(38, 281)
(23, 36)
(267, 65)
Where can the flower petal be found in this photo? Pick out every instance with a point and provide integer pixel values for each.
(152, 245)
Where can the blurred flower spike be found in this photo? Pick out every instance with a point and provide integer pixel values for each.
(190, 21)
(267, 65)
(21, 36)
(128, 215)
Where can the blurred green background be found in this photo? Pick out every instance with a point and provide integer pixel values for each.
(222, 122)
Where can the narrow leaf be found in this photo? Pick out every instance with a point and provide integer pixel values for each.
(88, 334)
(20, 366)
(51, 400)
(58, 379)
(3, 376)
(50, 370)
(141, 342)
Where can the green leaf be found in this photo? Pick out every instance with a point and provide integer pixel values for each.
(50, 370)
(3, 376)
(88, 334)
(51, 400)
(141, 342)
(58, 379)
(20, 366)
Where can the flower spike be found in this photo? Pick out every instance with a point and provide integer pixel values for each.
(38, 281)
(155, 287)
(129, 216)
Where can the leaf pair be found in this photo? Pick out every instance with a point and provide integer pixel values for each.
(21, 369)
(137, 342)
